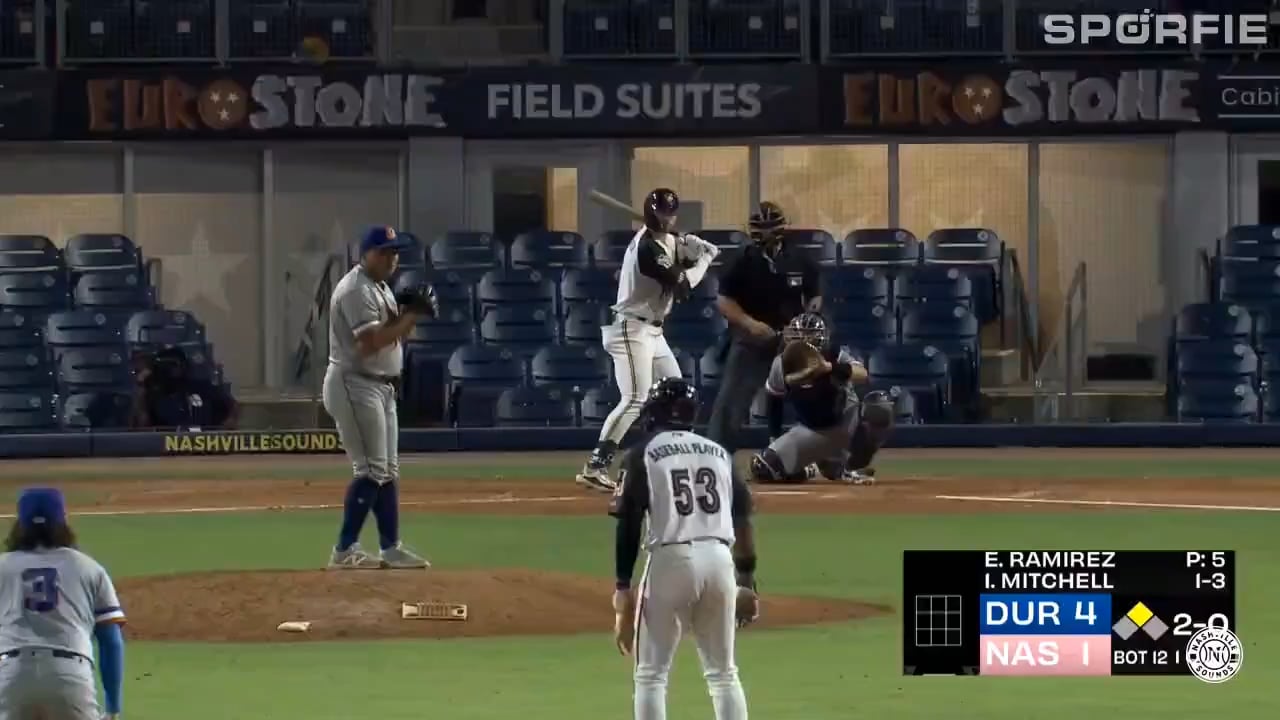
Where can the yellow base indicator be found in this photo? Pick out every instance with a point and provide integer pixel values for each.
(1140, 614)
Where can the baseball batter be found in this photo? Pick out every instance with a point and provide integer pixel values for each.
(837, 435)
(700, 574)
(366, 325)
(658, 268)
(52, 599)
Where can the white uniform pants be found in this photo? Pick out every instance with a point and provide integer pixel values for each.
(688, 588)
(641, 357)
(37, 685)
(364, 409)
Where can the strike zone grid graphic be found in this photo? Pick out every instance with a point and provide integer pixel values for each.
(938, 621)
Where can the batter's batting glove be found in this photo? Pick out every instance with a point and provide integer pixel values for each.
(421, 299)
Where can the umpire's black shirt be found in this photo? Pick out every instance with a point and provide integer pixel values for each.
(771, 290)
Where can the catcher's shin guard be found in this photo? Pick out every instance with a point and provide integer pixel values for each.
(872, 432)
(767, 467)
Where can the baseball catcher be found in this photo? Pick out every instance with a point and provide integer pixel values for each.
(837, 434)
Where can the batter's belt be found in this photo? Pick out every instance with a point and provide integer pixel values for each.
(392, 380)
(60, 654)
(614, 316)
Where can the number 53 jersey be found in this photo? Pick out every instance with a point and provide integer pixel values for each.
(53, 598)
(686, 483)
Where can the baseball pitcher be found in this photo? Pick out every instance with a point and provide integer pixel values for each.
(367, 323)
(52, 598)
(658, 268)
(837, 435)
(700, 574)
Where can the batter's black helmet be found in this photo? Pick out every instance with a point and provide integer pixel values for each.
(809, 327)
(660, 208)
(767, 223)
(672, 405)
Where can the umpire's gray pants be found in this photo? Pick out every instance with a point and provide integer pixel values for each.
(802, 445)
(364, 409)
(744, 372)
(36, 685)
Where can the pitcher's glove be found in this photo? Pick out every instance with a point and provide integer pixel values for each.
(420, 299)
(747, 609)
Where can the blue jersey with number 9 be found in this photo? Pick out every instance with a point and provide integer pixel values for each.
(53, 598)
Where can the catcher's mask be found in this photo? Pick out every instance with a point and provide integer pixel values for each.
(766, 224)
(808, 327)
(660, 208)
(672, 405)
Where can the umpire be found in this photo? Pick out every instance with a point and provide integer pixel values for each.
(764, 288)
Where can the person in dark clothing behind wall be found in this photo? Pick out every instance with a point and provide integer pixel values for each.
(169, 395)
(763, 289)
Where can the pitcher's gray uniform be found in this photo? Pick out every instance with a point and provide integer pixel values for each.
(358, 392)
(50, 601)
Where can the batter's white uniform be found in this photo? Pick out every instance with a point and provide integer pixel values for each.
(50, 601)
(687, 485)
(651, 269)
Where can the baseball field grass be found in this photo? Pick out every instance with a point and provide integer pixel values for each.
(845, 544)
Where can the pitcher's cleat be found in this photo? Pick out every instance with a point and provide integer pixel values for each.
(865, 476)
(400, 557)
(353, 558)
(596, 478)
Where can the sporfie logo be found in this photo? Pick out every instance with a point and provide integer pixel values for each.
(1157, 29)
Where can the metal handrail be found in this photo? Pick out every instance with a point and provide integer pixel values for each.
(305, 354)
(1077, 296)
(1027, 334)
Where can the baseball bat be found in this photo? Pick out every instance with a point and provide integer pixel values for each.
(610, 201)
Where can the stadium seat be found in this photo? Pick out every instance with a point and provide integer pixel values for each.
(934, 283)
(95, 411)
(1218, 402)
(22, 369)
(710, 367)
(598, 403)
(1212, 321)
(582, 323)
(865, 327)
(180, 29)
(113, 290)
(549, 249)
(439, 337)
(452, 290)
(572, 368)
(263, 29)
(154, 329)
(83, 328)
(470, 254)
(916, 368)
(516, 287)
(27, 411)
(731, 243)
(477, 375)
(1218, 360)
(1266, 324)
(904, 407)
(608, 250)
(521, 329)
(952, 329)
(858, 285)
(745, 29)
(345, 26)
(1251, 243)
(880, 246)
(34, 293)
(694, 327)
(535, 407)
(18, 332)
(1251, 284)
(589, 285)
(20, 253)
(817, 245)
(92, 369)
(977, 253)
(688, 363)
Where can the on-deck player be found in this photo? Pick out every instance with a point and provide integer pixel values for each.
(658, 268)
(52, 598)
(700, 575)
(836, 432)
(366, 326)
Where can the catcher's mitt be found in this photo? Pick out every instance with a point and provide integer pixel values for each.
(420, 299)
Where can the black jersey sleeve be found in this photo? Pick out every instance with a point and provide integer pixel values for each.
(654, 261)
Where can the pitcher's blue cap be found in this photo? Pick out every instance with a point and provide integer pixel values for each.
(382, 237)
(41, 506)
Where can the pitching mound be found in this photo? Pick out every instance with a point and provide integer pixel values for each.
(365, 604)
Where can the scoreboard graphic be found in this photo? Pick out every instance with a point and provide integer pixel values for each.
(1077, 613)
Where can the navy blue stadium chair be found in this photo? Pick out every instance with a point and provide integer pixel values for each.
(746, 28)
(688, 363)
(263, 29)
(477, 375)
(28, 252)
(588, 285)
(452, 290)
(710, 369)
(1266, 324)
(99, 30)
(1218, 402)
(34, 293)
(470, 254)
(954, 330)
(27, 411)
(520, 329)
(583, 321)
(549, 249)
(595, 29)
(516, 287)
(536, 407)
(1217, 360)
(916, 27)
(599, 402)
(694, 327)
(19, 332)
(91, 369)
(113, 290)
(607, 251)
(893, 247)
(18, 32)
(862, 326)
(904, 407)
(572, 368)
(1251, 242)
(1252, 284)
(861, 285)
(95, 411)
(934, 283)
(155, 329)
(345, 26)
(177, 29)
(817, 245)
(916, 368)
(102, 252)
(1213, 321)
(1271, 405)
(439, 337)
(25, 368)
(83, 328)
(979, 254)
